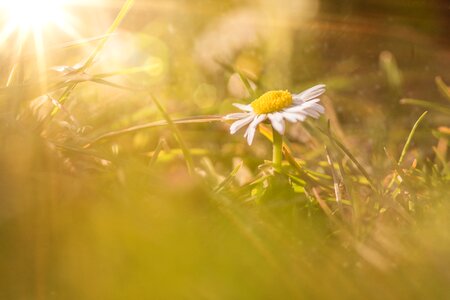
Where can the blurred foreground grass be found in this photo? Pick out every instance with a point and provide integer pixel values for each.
(96, 198)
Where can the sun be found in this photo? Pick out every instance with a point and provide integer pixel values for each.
(25, 25)
(25, 19)
(31, 15)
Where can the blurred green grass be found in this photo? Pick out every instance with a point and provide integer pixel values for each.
(121, 217)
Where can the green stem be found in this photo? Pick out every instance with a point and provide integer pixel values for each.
(277, 150)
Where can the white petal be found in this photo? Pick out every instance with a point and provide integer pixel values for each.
(277, 122)
(310, 108)
(291, 117)
(314, 110)
(243, 107)
(312, 113)
(301, 107)
(241, 123)
(319, 108)
(236, 116)
(310, 93)
(294, 117)
(250, 133)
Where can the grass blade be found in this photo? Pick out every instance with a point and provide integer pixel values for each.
(126, 71)
(176, 133)
(410, 136)
(351, 157)
(158, 149)
(227, 180)
(123, 12)
(132, 129)
(336, 181)
(443, 88)
(426, 104)
(242, 76)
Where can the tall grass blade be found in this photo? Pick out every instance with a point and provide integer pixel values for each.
(227, 180)
(123, 12)
(336, 181)
(176, 133)
(158, 149)
(352, 158)
(132, 129)
(443, 88)
(126, 71)
(426, 104)
(231, 69)
(410, 136)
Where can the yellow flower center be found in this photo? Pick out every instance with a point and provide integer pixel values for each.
(271, 102)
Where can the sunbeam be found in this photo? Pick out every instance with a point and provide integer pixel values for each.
(28, 22)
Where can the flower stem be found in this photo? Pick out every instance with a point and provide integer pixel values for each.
(277, 150)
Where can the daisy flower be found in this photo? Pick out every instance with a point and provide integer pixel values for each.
(277, 106)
